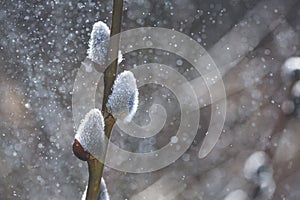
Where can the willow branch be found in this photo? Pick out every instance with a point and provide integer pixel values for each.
(95, 174)
(95, 166)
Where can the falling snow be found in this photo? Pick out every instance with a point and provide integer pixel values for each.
(255, 45)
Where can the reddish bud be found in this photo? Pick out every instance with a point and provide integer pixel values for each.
(79, 151)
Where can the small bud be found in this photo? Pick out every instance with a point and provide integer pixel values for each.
(79, 151)
(123, 101)
(90, 135)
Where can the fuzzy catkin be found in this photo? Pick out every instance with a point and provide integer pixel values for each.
(123, 101)
(99, 43)
(90, 133)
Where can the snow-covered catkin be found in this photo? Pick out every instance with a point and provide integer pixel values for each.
(291, 69)
(123, 101)
(256, 161)
(237, 195)
(90, 133)
(258, 169)
(99, 43)
(103, 192)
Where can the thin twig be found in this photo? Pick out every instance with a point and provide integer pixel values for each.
(95, 166)
(95, 174)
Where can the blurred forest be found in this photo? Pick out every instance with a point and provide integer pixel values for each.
(42, 45)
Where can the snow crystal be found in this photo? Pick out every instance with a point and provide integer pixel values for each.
(174, 139)
(179, 62)
(123, 101)
(90, 133)
(237, 195)
(103, 192)
(99, 42)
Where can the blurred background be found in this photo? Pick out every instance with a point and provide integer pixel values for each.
(42, 45)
